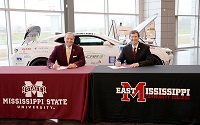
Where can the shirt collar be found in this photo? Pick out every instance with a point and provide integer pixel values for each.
(69, 47)
(135, 46)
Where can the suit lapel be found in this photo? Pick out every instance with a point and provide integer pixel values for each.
(64, 54)
(138, 50)
(130, 51)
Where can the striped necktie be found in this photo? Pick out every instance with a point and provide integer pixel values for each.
(134, 53)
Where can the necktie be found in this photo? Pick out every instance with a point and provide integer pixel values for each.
(68, 54)
(134, 53)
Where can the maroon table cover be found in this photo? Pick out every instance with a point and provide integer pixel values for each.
(42, 93)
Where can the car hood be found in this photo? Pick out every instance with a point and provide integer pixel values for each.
(142, 25)
(32, 33)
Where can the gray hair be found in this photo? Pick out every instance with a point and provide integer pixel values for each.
(69, 33)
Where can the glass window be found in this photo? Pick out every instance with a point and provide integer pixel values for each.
(117, 21)
(186, 31)
(176, 7)
(187, 7)
(50, 23)
(125, 6)
(17, 5)
(53, 5)
(90, 40)
(3, 41)
(89, 5)
(1, 3)
(89, 23)
(17, 27)
(124, 20)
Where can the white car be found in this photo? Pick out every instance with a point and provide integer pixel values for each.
(98, 49)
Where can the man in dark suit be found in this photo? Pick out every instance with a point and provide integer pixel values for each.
(135, 53)
(67, 54)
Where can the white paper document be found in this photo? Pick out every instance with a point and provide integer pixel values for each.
(62, 67)
(115, 67)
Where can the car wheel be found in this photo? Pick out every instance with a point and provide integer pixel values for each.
(157, 61)
(39, 62)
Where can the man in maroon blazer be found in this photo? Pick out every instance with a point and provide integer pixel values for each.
(61, 53)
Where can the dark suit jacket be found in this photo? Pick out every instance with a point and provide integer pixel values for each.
(143, 55)
(59, 55)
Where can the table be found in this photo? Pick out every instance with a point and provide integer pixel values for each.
(152, 94)
(42, 93)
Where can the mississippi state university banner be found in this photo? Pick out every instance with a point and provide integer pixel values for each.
(154, 94)
(42, 93)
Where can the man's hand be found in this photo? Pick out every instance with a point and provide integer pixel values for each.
(118, 64)
(72, 66)
(56, 66)
(134, 65)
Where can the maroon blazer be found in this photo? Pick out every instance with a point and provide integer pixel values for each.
(59, 55)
